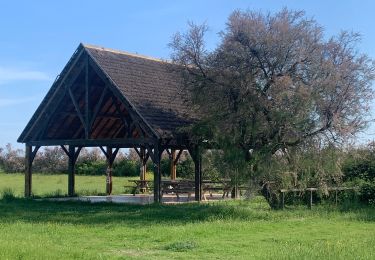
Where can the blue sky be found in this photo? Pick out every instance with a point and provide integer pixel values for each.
(38, 37)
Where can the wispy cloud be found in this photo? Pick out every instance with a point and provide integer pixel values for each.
(13, 74)
(5, 102)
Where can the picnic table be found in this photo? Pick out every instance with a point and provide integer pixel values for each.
(177, 187)
(223, 185)
(141, 185)
(188, 186)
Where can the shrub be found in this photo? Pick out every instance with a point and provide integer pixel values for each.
(91, 168)
(363, 168)
(12, 159)
(185, 169)
(50, 160)
(367, 193)
(126, 167)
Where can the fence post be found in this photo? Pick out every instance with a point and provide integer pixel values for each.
(282, 198)
(311, 199)
(336, 196)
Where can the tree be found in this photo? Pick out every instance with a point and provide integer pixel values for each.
(274, 82)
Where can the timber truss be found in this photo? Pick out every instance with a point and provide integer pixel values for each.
(85, 108)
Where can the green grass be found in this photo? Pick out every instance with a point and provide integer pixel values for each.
(32, 229)
(57, 185)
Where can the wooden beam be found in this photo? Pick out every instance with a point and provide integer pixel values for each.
(109, 172)
(49, 114)
(114, 154)
(44, 126)
(118, 142)
(126, 121)
(144, 157)
(76, 154)
(110, 159)
(30, 154)
(28, 171)
(114, 89)
(157, 173)
(71, 171)
(198, 178)
(87, 112)
(196, 154)
(178, 156)
(104, 151)
(138, 152)
(173, 164)
(76, 106)
(65, 150)
(98, 106)
(117, 131)
(52, 93)
(109, 105)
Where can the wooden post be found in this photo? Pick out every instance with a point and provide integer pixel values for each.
(28, 170)
(143, 170)
(336, 196)
(143, 164)
(110, 155)
(157, 174)
(71, 171)
(283, 198)
(173, 164)
(29, 158)
(311, 199)
(197, 158)
(109, 171)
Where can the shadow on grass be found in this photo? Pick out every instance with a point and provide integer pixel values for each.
(74, 212)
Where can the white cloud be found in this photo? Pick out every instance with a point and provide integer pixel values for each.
(12, 74)
(4, 102)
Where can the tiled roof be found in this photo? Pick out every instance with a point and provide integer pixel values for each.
(150, 85)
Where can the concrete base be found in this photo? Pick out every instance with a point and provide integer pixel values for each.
(141, 199)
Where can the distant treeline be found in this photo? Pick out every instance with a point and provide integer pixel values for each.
(319, 167)
(53, 160)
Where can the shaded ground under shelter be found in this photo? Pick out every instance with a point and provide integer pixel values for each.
(112, 99)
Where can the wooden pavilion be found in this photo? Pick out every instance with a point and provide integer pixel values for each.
(113, 99)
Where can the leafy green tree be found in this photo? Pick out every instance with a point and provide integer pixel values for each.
(273, 82)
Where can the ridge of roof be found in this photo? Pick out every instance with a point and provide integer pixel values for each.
(100, 48)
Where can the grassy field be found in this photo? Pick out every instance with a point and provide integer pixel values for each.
(223, 230)
(50, 185)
